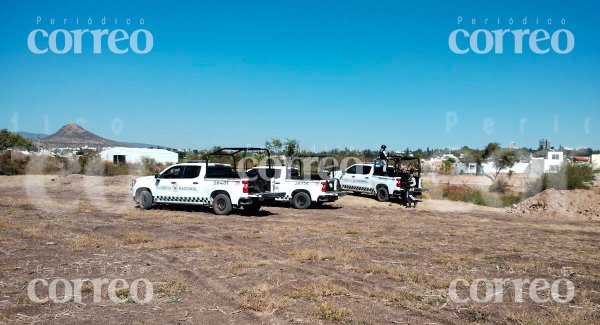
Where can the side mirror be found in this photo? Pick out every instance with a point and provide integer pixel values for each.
(157, 176)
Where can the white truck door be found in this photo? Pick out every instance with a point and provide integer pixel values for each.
(363, 178)
(348, 178)
(167, 183)
(188, 188)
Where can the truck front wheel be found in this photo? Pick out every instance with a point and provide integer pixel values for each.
(222, 204)
(145, 200)
(382, 194)
(301, 200)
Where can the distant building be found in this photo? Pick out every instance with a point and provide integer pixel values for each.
(545, 144)
(553, 161)
(596, 161)
(119, 155)
(512, 145)
(460, 168)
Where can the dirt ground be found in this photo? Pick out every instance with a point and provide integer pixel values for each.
(356, 261)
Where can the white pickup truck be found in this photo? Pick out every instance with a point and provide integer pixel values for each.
(301, 191)
(202, 183)
(383, 180)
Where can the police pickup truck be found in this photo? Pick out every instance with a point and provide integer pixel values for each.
(399, 177)
(217, 185)
(301, 191)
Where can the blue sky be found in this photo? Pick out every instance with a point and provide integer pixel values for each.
(328, 73)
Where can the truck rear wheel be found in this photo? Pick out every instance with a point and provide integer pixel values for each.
(301, 200)
(145, 200)
(382, 194)
(222, 204)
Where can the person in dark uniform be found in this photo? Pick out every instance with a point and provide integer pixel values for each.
(382, 154)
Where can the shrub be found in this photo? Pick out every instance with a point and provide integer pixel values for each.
(500, 185)
(476, 196)
(12, 163)
(463, 194)
(111, 169)
(55, 165)
(510, 199)
(569, 177)
(149, 166)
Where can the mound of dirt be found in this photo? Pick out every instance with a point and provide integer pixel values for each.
(551, 202)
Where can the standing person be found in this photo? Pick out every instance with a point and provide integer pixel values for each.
(382, 154)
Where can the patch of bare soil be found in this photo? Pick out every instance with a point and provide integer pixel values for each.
(357, 261)
(582, 204)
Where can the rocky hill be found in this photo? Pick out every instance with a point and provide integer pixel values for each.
(74, 136)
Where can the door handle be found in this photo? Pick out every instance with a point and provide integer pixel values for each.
(195, 183)
(353, 176)
(173, 183)
(366, 178)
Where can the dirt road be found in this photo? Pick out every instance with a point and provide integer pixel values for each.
(355, 261)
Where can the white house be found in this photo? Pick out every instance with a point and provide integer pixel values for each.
(135, 155)
(553, 161)
(465, 168)
(596, 161)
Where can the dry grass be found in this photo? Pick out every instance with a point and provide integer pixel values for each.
(525, 318)
(132, 238)
(405, 275)
(329, 311)
(352, 232)
(239, 267)
(171, 287)
(10, 225)
(174, 244)
(407, 299)
(316, 292)
(88, 241)
(306, 255)
(257, 299)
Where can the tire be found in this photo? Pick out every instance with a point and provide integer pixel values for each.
(145, 200)
(222, 205)
(382, 194)
(301, 200)
(252, 208)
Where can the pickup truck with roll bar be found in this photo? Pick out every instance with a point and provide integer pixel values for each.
(218, 185)
(302, 188)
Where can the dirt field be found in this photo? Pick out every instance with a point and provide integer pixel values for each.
(355, 261)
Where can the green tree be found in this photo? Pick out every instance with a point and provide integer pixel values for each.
(274, 145)
(447, 166)
(291, 147)
(10, 140)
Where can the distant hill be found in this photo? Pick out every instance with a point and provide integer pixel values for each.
(74, 136)
(32, 136)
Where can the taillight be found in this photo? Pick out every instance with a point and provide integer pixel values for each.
(398, 182)
(245, 183)
(323, 186)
